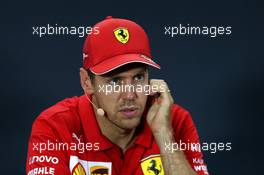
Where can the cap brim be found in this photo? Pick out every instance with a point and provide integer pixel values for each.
(120, 60)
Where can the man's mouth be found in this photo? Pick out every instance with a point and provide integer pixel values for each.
(129, 111)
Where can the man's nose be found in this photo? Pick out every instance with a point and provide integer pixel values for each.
(129, 92)
(129, 95)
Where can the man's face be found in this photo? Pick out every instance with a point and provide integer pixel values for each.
(124, 108)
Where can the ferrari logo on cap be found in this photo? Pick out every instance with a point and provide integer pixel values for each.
(122, 35)
(152, 166)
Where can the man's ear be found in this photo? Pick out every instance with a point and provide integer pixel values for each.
(86, 82)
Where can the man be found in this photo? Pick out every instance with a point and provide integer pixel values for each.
(124, 124)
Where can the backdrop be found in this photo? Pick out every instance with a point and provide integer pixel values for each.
(218, 79)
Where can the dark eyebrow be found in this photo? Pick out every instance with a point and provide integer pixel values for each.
(113, 76)
(142, 72)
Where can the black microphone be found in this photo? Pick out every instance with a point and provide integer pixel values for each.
(99, 111)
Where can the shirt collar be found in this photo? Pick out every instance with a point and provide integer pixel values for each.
(144, 137)
(90, 126)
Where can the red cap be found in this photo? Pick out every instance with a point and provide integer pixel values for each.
(117, 42)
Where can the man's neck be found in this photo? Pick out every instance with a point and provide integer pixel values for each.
(119, 136)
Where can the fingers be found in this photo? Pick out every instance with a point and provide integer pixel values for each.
(160, 86)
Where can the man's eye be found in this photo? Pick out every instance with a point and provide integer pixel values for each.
(139, 78)
(115, 80)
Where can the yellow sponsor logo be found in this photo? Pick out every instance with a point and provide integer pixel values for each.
(152, 166)
(78, 170)
(99, 170)
(122, 35)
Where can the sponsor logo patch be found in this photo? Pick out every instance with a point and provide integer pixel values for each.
(100, 168)
(152, 165)
(84, 167)
(43, 158)
(42, 170)
(78, 170)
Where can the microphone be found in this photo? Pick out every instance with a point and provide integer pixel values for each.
(99, 111)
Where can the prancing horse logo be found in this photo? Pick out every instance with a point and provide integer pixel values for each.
(122, 35)
(153, 167)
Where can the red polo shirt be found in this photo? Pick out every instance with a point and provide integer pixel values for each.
(66, 139)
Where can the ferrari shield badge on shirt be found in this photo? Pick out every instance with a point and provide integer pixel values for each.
(122, 35)
(152, 165)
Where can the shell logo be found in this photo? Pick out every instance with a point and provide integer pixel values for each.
(78, 170)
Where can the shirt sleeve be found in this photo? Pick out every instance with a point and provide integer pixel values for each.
(42, 156)
(188, 140)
